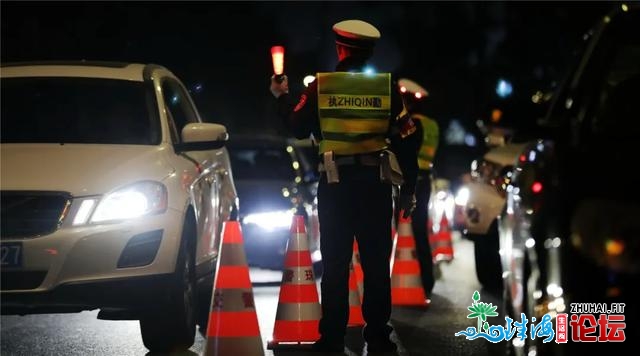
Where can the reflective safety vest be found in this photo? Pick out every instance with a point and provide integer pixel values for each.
(354, 110)
(430, 139)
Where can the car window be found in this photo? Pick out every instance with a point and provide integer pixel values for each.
(261, 163)
(612, 60)
(178, 105)
(77, 110)
(617, 102)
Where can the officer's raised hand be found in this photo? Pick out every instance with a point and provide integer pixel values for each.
(279, 87)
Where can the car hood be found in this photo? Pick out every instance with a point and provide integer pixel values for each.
(78, 168)
(263, 195)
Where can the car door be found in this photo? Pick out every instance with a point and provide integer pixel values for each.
(201, 171)
(573, 194)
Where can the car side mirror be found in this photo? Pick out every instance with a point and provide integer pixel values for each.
(202, 136)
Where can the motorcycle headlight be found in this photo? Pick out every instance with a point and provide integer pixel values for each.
(132, 201)
(270, 220)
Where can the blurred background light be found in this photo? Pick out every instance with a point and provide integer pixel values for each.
(504, 88)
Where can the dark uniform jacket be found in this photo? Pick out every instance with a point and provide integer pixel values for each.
(302, 119)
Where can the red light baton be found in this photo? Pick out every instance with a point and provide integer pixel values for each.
(277, 57)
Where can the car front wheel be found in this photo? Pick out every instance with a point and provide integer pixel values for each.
(172, 326)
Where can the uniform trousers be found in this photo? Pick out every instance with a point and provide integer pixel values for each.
(358, 206)
(419, 219)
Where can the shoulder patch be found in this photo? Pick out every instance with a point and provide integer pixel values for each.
(303, 100)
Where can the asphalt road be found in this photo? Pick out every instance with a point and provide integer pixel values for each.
(418, 331)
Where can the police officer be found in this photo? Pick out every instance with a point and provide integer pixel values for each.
(355, 116)
(413, 96)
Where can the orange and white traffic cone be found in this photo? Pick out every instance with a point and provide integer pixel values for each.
(406, 285)
(440, 240)
(357, 269)
(298, 313)
(233, 328)
(355, 300)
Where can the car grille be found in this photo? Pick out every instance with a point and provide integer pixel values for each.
(31, 214)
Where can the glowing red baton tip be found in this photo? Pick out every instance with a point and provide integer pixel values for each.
(277, 57)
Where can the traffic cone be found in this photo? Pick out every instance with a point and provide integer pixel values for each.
(357, 268)
(406, 285)
(440, 240)
(298, 312)
(232, 328)
(355, 299)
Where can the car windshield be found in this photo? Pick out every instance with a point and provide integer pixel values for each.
(272, 163)
(77, 110)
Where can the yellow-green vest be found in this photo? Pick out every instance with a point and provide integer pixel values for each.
(430, 139)
(354, 110)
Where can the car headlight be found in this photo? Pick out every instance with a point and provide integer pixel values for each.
(270, 220)
(462, 197)
(132, 201)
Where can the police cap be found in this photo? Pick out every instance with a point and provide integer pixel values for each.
(356, 33)
(411, 88)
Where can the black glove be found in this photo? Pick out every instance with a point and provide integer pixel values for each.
(406, 204)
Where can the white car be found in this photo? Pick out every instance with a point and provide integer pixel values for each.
(480, 201)
(114, 193)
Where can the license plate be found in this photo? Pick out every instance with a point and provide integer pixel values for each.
(11, 254)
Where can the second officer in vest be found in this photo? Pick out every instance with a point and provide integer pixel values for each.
(414, 96)
(358, 119)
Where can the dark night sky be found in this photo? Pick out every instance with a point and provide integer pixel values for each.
(456, 49)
